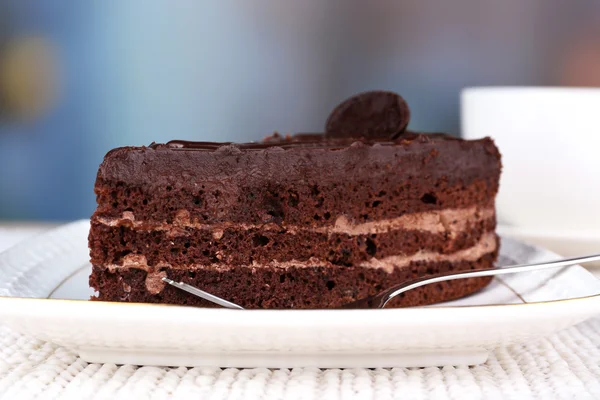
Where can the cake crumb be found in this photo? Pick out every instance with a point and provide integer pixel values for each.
(128, 215)
(182, 217)
(154, 282)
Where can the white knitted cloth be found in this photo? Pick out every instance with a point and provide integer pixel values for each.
(563, 366)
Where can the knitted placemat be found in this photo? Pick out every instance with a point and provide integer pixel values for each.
(565, 365)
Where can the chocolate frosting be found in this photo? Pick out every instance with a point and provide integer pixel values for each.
(302, 158)
(365, 139)
(299, 140)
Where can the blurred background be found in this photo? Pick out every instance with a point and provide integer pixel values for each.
(79, 78)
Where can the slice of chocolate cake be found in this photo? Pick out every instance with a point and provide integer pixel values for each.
(308, 221)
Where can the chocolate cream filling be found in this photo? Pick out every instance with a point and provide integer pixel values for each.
(487, 244)
(439, 221)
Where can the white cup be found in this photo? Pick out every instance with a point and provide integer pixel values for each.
(550, 144)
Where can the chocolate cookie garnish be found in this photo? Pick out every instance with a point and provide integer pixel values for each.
(372, 115)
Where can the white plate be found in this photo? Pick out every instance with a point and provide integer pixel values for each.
(37, 274)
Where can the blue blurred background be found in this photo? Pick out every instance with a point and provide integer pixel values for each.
(111, 73)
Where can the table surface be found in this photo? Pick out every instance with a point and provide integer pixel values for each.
(565, 365)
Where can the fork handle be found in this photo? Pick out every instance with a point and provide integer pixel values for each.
(380, 300)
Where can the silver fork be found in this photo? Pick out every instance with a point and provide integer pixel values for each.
(381, 299)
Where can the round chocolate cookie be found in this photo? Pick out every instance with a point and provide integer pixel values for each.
(373, 115)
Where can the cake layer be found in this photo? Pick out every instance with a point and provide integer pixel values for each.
(290, 287)
(298, 205)
(343, 243)
(308, 184)
(436, 221)
(486, 244)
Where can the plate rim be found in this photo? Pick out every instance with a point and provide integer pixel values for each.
(79, 302)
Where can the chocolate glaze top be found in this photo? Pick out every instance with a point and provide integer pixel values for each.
(302, 159)
(300, 140)
(366, 141)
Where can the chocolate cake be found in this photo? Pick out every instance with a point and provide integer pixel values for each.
(303, 221)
